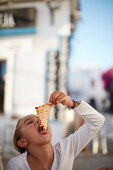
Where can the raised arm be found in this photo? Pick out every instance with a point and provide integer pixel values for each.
(93, 122)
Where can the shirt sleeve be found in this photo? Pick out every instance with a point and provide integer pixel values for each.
(74, 143)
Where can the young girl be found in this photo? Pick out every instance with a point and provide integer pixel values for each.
(34, 143)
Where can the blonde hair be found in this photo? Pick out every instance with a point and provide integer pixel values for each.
(16, 138)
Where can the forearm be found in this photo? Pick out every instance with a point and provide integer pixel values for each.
(74, 143)
(93, 122)
(92, 118)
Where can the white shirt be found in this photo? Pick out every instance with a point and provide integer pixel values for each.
(68, 148)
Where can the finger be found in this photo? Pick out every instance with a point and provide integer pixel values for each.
(63, 100)
(52, 97)
(59, 97)
(51, 100)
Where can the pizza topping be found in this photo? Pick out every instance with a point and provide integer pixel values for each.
(43, 114)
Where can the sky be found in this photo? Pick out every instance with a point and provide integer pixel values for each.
(92, 42)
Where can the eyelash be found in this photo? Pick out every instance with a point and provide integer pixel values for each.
(29, 122)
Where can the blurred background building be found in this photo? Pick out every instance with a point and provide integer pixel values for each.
(34, 50)
(48, 45)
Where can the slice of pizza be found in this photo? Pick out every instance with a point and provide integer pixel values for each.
(43, 114)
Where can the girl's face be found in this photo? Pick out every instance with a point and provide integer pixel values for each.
(32, 132)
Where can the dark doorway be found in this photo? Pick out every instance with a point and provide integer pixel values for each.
(2, 84)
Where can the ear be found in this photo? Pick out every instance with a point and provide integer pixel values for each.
(22, 143)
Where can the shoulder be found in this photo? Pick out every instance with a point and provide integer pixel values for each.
(15, 162)
(19, 157)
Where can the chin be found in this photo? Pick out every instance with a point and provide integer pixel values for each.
(47, 140)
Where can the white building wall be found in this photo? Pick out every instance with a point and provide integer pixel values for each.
(26, 58)
(82, 87)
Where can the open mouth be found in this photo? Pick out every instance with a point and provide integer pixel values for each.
(41, 130)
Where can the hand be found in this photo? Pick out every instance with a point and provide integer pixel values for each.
(59, 97)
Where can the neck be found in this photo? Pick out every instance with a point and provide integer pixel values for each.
(41, 155)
